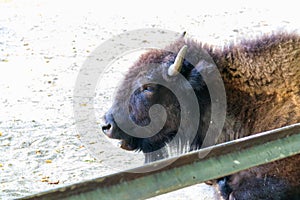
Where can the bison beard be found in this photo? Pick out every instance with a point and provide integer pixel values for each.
(262, 82)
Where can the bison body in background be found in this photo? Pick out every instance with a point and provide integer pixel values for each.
(262, 82)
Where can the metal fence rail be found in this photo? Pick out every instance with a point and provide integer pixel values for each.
(186, 170)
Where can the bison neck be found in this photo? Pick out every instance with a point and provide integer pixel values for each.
(262, 80)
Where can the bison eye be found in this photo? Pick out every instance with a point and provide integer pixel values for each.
(148, 88)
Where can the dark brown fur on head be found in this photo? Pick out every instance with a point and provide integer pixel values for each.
(142, 96)
(262, 82)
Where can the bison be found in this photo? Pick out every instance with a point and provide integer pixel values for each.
(262, 82)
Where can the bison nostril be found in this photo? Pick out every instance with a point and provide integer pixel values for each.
(105, 128)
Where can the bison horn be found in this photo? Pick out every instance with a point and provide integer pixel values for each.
(175, 68)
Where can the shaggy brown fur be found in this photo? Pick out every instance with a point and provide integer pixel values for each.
(262, 82)
(261, 77)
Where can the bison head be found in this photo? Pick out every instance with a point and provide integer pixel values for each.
(139, 92)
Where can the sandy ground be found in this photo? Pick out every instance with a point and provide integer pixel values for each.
(43, 45)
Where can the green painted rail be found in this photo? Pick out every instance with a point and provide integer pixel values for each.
(186, 170)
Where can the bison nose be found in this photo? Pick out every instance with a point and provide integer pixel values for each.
(107, 128)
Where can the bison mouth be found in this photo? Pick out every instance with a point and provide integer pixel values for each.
(123, 143)
(130, 143)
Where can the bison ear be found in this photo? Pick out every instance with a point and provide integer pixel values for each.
(175, 68)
